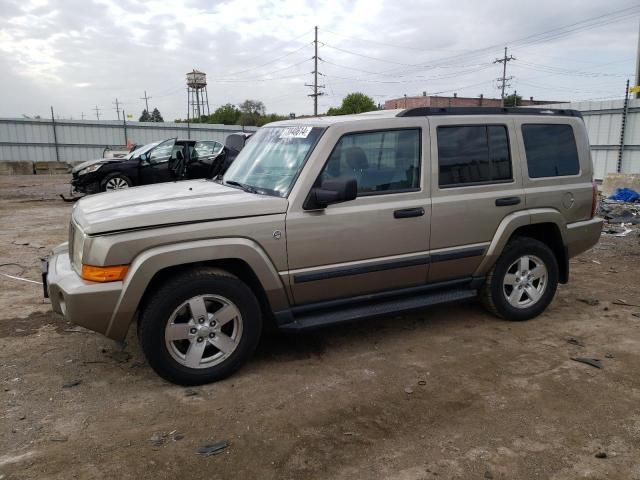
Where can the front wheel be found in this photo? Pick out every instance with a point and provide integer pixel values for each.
(523, 281)
(200, 327)
(116, 181)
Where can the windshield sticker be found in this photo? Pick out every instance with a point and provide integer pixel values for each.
(296, 132)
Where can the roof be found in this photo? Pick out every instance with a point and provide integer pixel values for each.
(327, 121)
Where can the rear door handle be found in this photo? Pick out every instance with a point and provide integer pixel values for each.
(506, 201)
(408, 212)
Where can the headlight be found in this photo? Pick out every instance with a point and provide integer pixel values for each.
(76, 242)
(89, 169)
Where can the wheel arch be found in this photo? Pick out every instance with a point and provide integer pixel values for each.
(238, 256)
(545, 224)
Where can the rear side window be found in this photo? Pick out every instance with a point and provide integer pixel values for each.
(551, 150)
(473, 154)
(381, 162)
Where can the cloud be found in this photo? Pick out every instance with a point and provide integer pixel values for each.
(76, 54)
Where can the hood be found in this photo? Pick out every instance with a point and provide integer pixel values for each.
(88, 163)
(170, 203)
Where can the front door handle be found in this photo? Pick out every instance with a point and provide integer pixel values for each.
(408, 212)
(506, 201)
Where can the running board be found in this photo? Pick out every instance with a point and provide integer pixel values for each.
(317, 319)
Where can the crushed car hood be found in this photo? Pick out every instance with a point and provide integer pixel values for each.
(168, 204)
(88, 163)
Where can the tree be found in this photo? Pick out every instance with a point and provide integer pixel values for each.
(512, 100)
(252, 111)
(156, 116)
(227, 114)
(145, 117)
(354, 103)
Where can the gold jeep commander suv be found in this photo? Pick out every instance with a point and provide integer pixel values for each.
(333, 219)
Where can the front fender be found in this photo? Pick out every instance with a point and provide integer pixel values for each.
(150, 262)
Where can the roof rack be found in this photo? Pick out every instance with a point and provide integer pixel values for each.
(430, 111)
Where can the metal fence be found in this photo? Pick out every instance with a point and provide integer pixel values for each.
(614, 149)
(39, 140)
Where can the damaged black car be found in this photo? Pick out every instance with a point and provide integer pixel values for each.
(164, 161)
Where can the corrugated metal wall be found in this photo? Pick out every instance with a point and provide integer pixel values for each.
(603, 120)
(79, 140)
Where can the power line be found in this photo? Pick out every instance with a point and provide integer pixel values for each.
(270, 61)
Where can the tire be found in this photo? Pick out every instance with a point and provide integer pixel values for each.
(115, 181)
(509, 294)
(185, 350)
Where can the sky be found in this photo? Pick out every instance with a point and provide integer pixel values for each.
(76, 55)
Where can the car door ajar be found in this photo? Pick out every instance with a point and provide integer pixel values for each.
(154, 167)
(380, 240)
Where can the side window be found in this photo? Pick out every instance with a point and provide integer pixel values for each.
(551, 150)
(381, 162)
(473, 154)
(161, 153)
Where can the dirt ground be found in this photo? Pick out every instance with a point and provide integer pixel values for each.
(448, 393)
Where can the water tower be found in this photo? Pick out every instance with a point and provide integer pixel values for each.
(197, 97)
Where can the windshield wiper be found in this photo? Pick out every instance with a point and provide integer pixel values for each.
(243, 186)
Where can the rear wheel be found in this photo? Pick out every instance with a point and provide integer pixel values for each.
(523, 281)
(200, 327)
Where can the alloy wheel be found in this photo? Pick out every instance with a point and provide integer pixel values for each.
(525, 281)
(116, 183)
(203, 331)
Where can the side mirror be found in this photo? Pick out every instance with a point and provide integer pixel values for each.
(332, 191)
(144, 157)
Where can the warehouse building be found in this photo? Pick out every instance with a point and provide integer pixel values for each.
(455, 101)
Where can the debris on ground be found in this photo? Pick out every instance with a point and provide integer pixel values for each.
(212, 449)
(594, 362)
(71, 383)
(590, 301)
(601, 455)
(625, 195)
(189, 392)
(157, 440)
(408, 390)
(624, 303)
(620, 217)
(575, 341)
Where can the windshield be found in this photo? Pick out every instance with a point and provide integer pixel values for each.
(271, 161)
(139, 151)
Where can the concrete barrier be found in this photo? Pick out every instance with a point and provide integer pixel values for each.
(16, 168)
(50, 168)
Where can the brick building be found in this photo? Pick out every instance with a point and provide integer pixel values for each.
(436, 101)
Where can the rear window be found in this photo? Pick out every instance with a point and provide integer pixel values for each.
(551, 150)
(473, 154)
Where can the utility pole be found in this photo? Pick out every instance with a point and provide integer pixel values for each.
(623, 124)
(117, 104)
(638, 63)
(97, 110)
(315, 85)
(82, 115)
(146, 100)
(503, 81)
(55, 136)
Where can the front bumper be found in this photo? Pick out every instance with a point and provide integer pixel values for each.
(581, 236)
(88, 304)
(88, 183)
